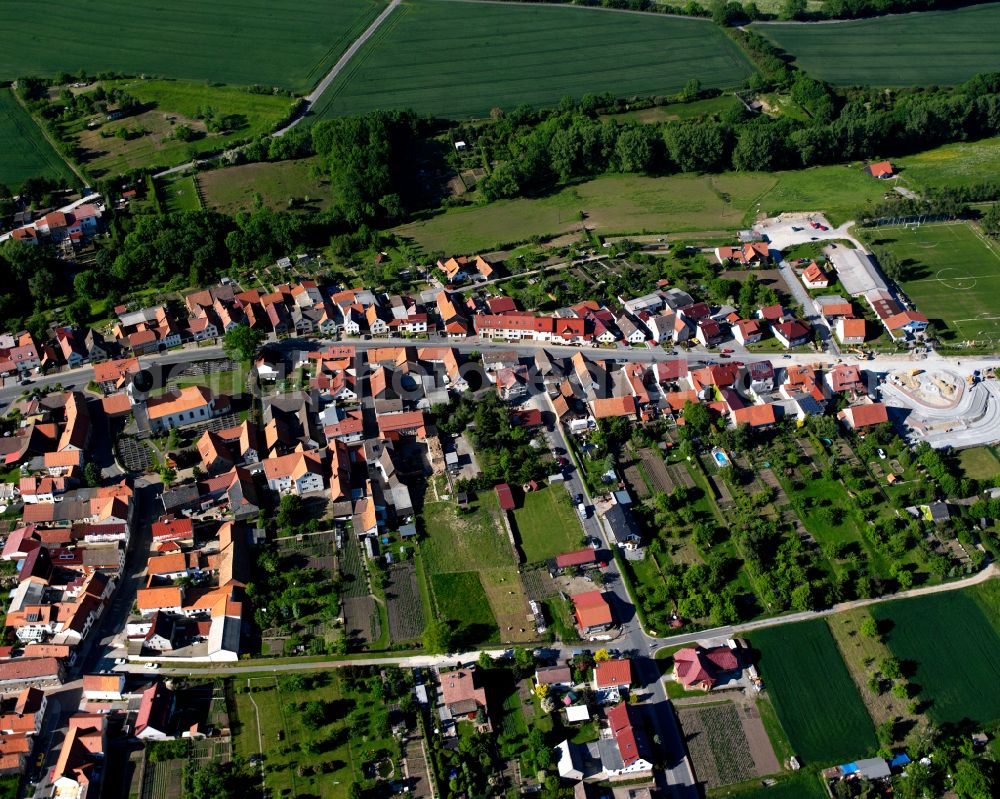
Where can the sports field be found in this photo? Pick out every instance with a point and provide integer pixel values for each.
(953, 276)
(461, 59)
(895, 50)
(242, 42)
(813, 693)
(24, 152)
(633, 204)
(956, 652)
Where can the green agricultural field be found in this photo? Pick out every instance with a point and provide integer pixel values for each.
(953, 276)
(813, 693)
(279, 184)
(521, 53)
(462, 604)
(956, 652)
(24, 151)
(988, 596)
(245, 42)
(167, 106)
(951, 165)
(893, 51)
(632, 204)
(547, 524)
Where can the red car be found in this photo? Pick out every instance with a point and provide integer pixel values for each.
(814, 225)
(727, 349)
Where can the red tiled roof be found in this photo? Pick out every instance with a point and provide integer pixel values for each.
(592, 609)
(613, 673)
(578, 557)
(505, 497)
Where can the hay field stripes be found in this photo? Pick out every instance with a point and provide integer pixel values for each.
(239, 42)
(24, 150)
(526, 53)
(894, 50)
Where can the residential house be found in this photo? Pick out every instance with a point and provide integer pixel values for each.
(455, 269)
(846, 379)
(554, 677)
(761, 375)
(187, 406)
(850, 331)
(155, 709)
(709, 332)
(752, 253)
(757, 416)
(612, 678)
(699, 668)
(464, 697)
(748, 331)
(294, 473)
(631, 755)
(861, 417)
(881, 170)
(632, 331)
(813, 277)
(624, 529)
(906, 324)
(794, 333)
(592, 611)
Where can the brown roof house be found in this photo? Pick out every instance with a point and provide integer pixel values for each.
(464, 698)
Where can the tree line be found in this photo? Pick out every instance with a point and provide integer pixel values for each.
(529, 151)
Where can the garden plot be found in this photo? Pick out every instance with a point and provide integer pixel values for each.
(656, 469)
(680, 476)
(405, 609)
(361, 620)
(717, 744)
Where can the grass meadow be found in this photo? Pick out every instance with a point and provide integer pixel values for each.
(953, 651)
(894, 50)
(633, 204)
(794, 785)
(980, 463)
(24, 151)
(462, 602)
(953, 276)
(179, 194)
(466, 557)
(547, 524)
(510, 54)
(951, 165)
(241, 42)
(277, 183)
(167, 105)
(813, 693)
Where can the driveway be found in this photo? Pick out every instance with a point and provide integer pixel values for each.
(788, 230)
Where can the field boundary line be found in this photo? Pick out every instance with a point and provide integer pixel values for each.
(49, 139)
(324, 84)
